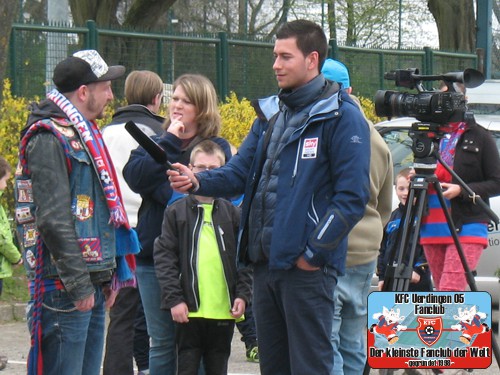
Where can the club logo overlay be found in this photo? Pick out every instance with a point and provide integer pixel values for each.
(448, 330)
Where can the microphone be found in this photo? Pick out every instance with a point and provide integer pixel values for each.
(151, 147)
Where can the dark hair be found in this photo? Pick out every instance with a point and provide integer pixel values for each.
(310, 37)
(4, 167)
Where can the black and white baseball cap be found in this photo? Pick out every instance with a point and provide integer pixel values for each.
(84, 67)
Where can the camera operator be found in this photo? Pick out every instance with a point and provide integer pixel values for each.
(469, 149)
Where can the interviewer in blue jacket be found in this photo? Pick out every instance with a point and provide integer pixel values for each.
(304, 170)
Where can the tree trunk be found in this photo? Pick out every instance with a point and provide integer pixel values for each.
(332, 21)
(351, 24)
(242, 17)
(455, 23)
(145, 14)
(103, 12)
(9, 9)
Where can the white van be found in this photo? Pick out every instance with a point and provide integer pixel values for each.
(484, 101)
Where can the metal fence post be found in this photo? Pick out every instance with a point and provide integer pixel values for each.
(223, 65)
(92, 41)
(12, 62)
(334, 49)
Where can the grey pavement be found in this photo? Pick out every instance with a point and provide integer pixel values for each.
(14, 343)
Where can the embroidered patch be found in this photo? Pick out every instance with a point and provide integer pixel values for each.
(19, 169)
(83, 207)
(30, 259)
(310, 148)
(76, 145)
(24, 191)
(356, 139)
(91, 249)
(64, 130)
(30, 234)
(23, 215)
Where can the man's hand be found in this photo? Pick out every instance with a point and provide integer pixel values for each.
(180, 313)
(110, 295)
(303, 265)
(85, 304)
(183, 179)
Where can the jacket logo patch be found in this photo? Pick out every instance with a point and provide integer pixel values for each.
(66, 131)
(30, 259)
(30, 235)
(91, 249)
(356, 139)
(76, 145)
(23, 215)
(310, 148)
(83, 208)
(24, 191)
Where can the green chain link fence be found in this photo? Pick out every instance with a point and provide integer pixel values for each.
(241, 66)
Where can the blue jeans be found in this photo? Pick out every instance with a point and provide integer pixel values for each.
(72, 341)
(161, 329)
(349, 322)
(293, 313)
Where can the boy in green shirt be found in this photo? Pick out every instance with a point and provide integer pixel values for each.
(196, 265)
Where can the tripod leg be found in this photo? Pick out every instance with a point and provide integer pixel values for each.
(398, 274)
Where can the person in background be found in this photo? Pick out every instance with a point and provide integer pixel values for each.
(9, 255)
(304, 172)
(470, 151)
(196, 265)
(351, 293)
(144, 93)
(421, 276)
(71, 219)
(246, 327)
(193, 117)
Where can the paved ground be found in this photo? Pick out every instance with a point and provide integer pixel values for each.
(14, 342)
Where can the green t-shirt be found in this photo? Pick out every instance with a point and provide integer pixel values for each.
(214, 293)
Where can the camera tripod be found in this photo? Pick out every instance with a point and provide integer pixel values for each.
(400, 266)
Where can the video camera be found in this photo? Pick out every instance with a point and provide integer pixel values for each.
(433, 108)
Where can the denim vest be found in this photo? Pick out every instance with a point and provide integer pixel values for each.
(94, 231)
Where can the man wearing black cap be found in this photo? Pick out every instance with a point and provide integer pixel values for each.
(71, 219)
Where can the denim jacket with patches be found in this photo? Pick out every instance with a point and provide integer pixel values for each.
(60, 202)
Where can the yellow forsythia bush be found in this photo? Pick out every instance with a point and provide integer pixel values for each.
(237, 118)
(13, 115)
(369, 109)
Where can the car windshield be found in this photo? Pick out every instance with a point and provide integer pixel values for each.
(484, 108)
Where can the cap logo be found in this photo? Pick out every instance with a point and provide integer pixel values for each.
(96, 62)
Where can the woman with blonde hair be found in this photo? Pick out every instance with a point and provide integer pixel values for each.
(193, 116)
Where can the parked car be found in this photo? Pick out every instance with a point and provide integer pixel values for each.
(484, 101)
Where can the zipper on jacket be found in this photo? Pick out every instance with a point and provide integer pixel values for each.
(296, 166)
(195, 245)
(221, 235)
(325, 227)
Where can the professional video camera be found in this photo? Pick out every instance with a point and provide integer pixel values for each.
(432, 108)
